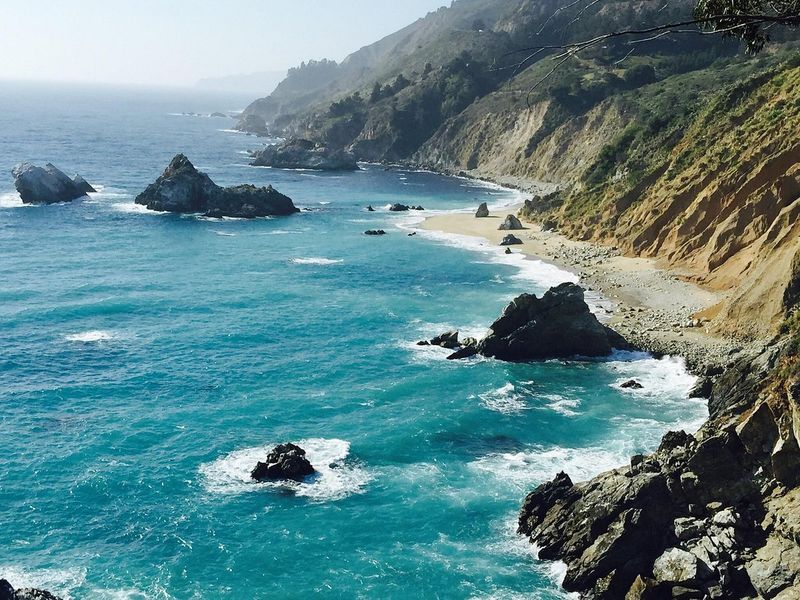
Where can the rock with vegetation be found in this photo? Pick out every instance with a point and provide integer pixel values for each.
(48, 184)
(285, 461)
(511, 223)
(184, 189)
(304, 154)
(252, 123)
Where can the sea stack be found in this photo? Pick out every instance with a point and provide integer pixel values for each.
(184, 189)
(285, 461)
(482, 212)
(48, 184)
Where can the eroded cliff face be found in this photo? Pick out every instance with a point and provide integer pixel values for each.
(715, 195)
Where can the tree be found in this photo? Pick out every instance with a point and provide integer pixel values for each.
(377, 93)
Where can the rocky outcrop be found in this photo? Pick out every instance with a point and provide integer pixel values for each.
(511, 223)
(285, 461)
(558, 325)
(374, 232)
(7, 592)
(403, 208)
(184, 189)
(705, 516)
(482, 212)
(304, 154)
(48, 184)
(254, 124)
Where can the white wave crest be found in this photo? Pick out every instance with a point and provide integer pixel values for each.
(89, 337)
(335, 478)
(316, 261)
(506, 399)
(11, 200)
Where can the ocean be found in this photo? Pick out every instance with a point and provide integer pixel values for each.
(148, 361)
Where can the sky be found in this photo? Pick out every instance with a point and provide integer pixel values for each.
(178, 42)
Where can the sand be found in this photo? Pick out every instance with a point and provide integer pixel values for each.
(648, 304)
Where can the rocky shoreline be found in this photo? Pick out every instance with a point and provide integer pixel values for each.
(710, 515)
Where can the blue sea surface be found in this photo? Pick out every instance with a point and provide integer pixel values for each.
(148, 361)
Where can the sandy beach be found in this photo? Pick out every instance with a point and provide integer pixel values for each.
(651, 306)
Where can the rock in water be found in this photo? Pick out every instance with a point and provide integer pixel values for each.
(631, 385)
(374, 232)
(482, 212)
(184, 189)
(7, 592)
(83, 185)
(399, 208)
(559, 325)
(511, 223)
(447, 340)
(304, 154)
(285, 461)
(47, 185)
(511, 240)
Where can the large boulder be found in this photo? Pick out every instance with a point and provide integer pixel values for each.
(184, 189)
(304, 154)
(482, 212)
(285, 461)
(511, 223)
(48, 184)
(558, 325)
(511, 240)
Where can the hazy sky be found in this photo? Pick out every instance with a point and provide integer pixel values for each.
(177, 42)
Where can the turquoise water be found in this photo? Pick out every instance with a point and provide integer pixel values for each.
(148, 361)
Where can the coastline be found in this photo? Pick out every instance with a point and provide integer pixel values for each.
(649, 305)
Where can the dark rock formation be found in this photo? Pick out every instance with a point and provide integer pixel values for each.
(559, 325)
(184, 189)
(508, 251)
(47, 185)
(254, 124)
(447, 340)
(450, 341)
(631, 385)
(707, 516)
(511, 240)
(304, 154)
(370, 209)
(511, 223)
(482, 212)
(399, 208)
(7, 592)
(285, 461)
(374, 232)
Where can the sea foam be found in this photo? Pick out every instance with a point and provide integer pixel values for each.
(89, 337)
(336, 478)
(315, 261)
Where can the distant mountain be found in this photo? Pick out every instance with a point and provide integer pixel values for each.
(263, 82)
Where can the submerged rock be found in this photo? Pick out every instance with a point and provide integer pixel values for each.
(559, 325)
(285, 461)
(48, 184)
(482, 212)
(304, 154)
(511, 240)
(184, 189)
(511, 223)
(374, 232)
(7, 592)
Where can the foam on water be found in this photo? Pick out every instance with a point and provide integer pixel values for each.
(315, 261)
(133, 208)
(506, 399)
(90, 337)
(12, 200)
(336, 477)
